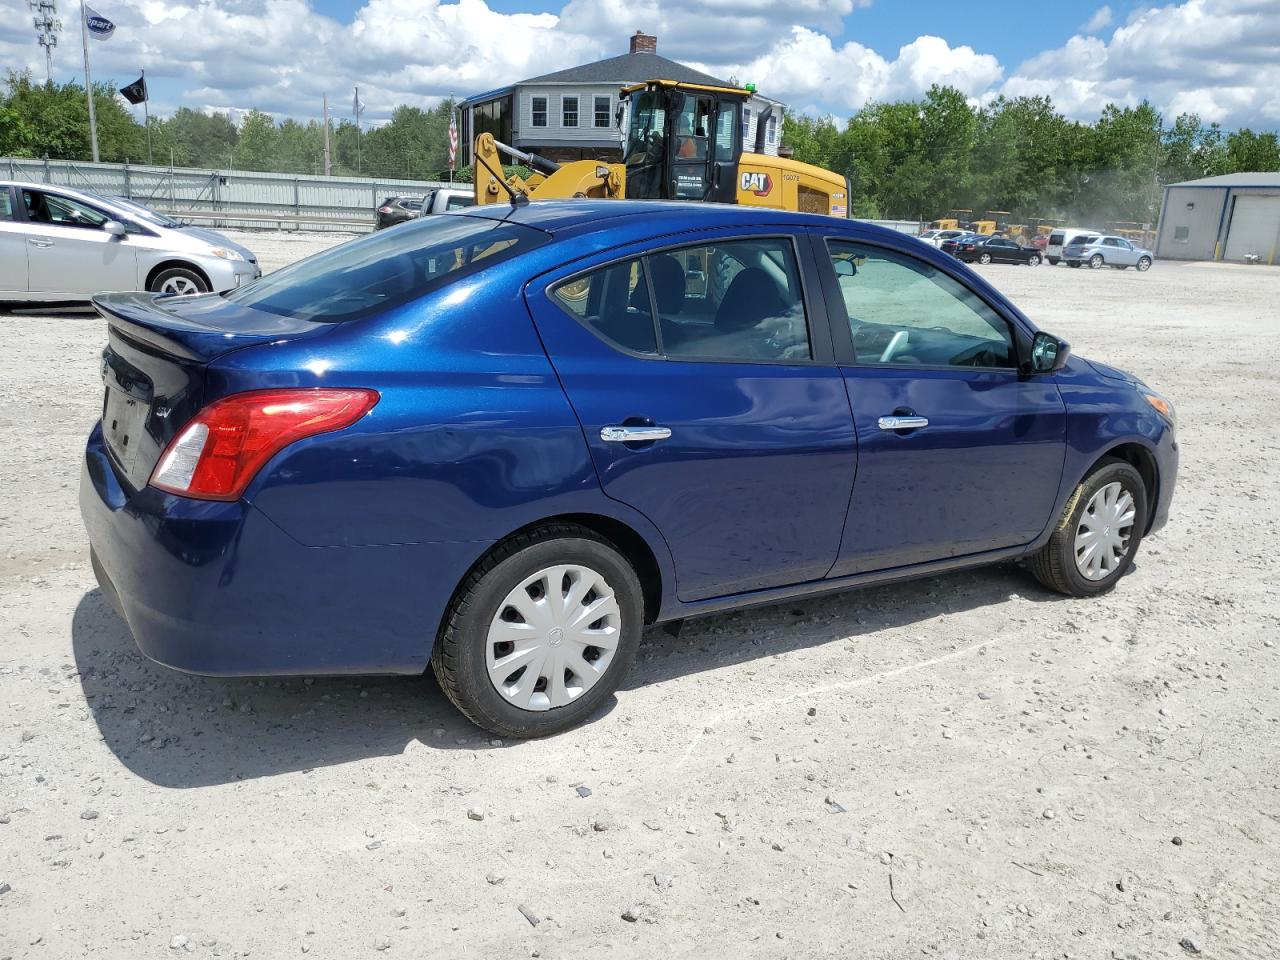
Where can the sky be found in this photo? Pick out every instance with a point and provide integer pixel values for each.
(1217, 58)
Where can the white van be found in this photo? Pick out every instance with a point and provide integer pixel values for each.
(1062, 236)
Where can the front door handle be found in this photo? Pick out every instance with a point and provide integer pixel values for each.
(626, 434)
(903, 423)
(39, 242)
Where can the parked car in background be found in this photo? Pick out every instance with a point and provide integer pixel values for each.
(395, 210)
(936, 237)
(1060, 238)
(60, 244)
(1108, 251)
(501, 441)
(444, 199)
(953, 244)
(996, 250)
(1039, 241)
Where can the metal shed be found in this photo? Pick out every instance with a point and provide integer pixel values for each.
(1232, 217)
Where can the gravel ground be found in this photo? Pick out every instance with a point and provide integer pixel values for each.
(961, 767)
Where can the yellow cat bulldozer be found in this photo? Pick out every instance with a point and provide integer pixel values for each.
(683, 142)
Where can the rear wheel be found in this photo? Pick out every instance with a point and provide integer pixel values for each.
(1144, 264)
(1096, 538)
(541, 633)
(1096, 262)
(1053, 261)
(178, 280)
(984, 258)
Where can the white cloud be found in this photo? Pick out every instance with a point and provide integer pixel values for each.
(1099, 21)
(1220, 58)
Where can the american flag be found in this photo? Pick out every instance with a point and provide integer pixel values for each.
(453, 140)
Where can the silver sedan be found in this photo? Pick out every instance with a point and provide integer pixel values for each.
(57, 243)
(1102, 250)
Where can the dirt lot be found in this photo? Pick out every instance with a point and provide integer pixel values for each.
(961, 767)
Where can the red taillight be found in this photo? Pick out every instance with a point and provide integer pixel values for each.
(216, 455)
(384, 209)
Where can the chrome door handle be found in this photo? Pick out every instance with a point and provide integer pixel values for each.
(634, 434)
(903, 423)
(38, 242)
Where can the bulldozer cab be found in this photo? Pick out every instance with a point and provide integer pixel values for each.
(683, 141)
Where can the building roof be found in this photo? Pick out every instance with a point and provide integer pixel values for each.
(1234, 180)
(630, 67)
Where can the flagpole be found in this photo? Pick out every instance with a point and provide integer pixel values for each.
(146, 112)
(326, 135)
(88, 80)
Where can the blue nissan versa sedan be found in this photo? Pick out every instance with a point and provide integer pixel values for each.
(501, 441)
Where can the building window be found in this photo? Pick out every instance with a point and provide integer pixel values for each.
(773, 130)
(602, 111)
(746, 121)
(569, 111)
(493, 117)
(539, 111)
(1182, 234)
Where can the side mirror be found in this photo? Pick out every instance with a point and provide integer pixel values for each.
(114, 227)
(845, 268)
(1049, 354)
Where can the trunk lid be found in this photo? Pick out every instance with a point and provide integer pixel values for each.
(155, 363)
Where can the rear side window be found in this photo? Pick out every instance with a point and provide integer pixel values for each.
(736, 300)
(613, 303)
(387, 268)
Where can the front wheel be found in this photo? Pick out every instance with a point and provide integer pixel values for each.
(541, 632)
(1144, 264)
(1098, 534)
(180, 281)
(1096, 262)
(1033, 260)
(984, 258)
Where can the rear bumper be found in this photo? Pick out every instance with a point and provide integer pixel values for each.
(219, 589)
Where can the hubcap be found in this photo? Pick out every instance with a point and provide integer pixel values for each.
(553, 637)
(1102, 538)
(179, 285)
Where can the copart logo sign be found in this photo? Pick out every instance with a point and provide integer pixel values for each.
(761, 184)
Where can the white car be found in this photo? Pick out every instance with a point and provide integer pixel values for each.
(1061, 238)
(57, 243)
(935, 237)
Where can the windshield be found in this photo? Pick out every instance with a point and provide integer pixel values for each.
(646, 145)
(146, 213)
(387, 268)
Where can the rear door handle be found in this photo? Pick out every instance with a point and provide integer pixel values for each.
(903, 423)
(634, 434)
(39, 242)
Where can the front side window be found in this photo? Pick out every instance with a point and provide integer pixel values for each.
(539, 106)
(613, 303)
(646, 146)
(903, 311)
(61, 211)
(736, 300)
(602, 112)
(387, 268)
(569, 111)
(6, 204)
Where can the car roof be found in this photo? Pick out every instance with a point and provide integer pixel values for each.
(565, 217)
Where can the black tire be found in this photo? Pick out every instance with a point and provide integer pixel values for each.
(1144, 264)
(1053, 261)
(1054, 565)
(459, 657)
(1096, 262)
(1033, 260)
(179, 276)
(984, 258)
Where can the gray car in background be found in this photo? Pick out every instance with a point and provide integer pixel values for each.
(1103, 250)
(62, 244)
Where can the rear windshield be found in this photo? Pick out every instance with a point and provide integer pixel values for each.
(1055, 238)
(387, 268)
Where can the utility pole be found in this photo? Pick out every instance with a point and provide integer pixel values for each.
(326, 135)
(356, 110)
(47, 26)
(88, 80)
(146, 112)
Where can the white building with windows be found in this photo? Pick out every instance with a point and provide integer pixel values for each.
(570, 114)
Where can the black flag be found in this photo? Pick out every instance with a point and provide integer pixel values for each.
(135, 92)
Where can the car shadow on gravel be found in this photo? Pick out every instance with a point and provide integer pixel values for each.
(177, 730)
